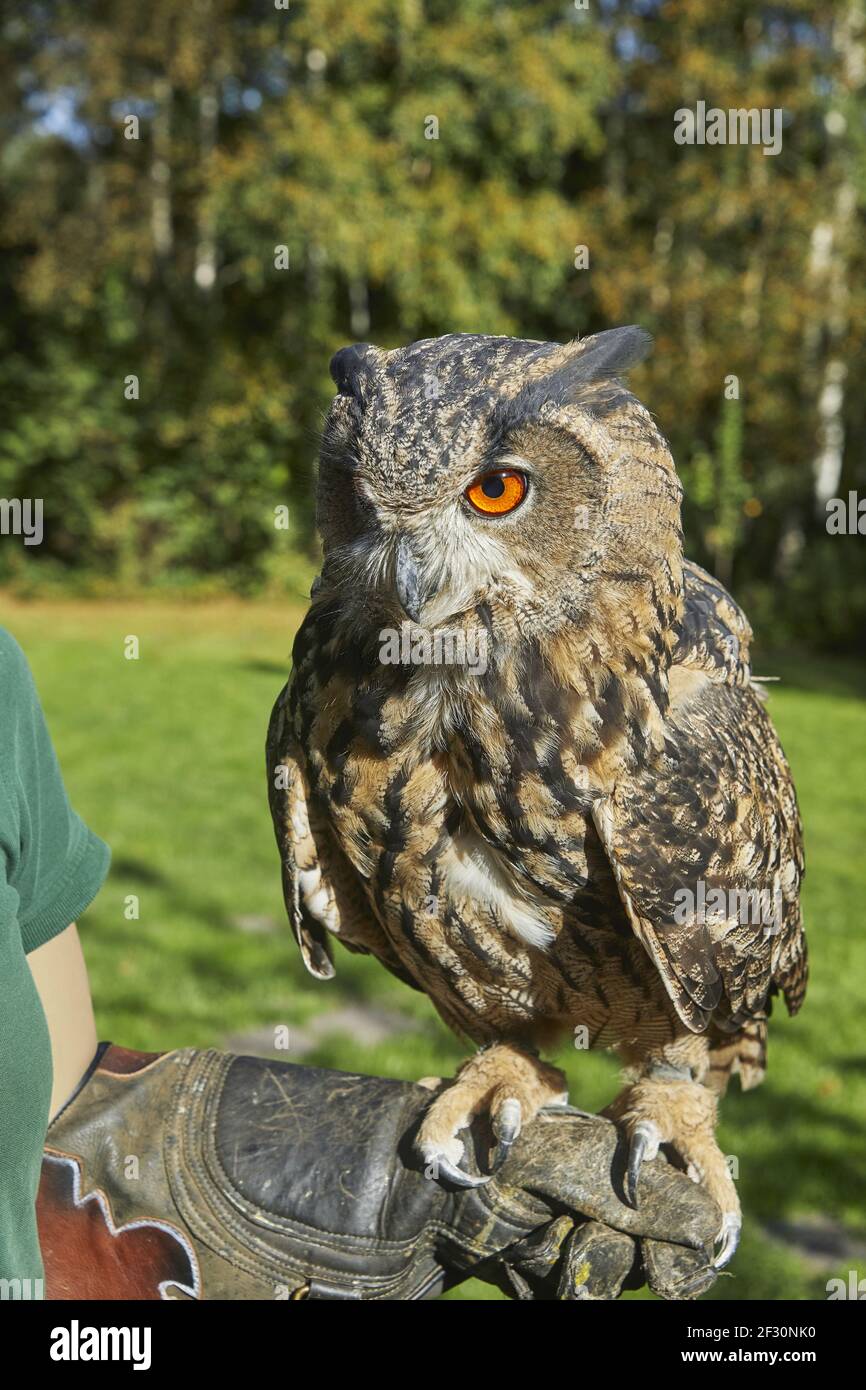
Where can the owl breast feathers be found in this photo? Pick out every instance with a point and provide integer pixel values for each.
(520, 758)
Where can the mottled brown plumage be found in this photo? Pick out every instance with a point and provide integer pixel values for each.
(533, 844)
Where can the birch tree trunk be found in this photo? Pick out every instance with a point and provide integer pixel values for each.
(206, 239)
(161, 224)
(829, 255)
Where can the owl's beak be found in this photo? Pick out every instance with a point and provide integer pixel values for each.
(407, 580)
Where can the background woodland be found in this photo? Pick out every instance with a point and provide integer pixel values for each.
(307, 128)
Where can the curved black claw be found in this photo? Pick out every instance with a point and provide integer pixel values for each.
(644, 1145)
(506, 1127)
(729, 1239)
(442, 1167)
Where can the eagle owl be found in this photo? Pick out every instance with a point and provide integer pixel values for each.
(521, 759)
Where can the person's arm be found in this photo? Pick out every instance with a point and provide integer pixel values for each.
(51, 867)
(60, 974)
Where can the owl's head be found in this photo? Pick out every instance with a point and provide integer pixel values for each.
(469, 473)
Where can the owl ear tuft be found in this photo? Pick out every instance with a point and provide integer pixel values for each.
(352, 370)
(607, 354)
(596, 362)
(588, 377)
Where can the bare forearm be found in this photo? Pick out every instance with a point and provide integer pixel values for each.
(60, 973)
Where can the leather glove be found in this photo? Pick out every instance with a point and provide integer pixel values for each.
(198, 1174)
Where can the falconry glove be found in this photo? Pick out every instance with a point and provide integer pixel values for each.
(199, 1174)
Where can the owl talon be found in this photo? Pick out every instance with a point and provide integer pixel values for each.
(644, 1146)
(729, 1239)
(502, 1082)
(442, 1167)
(681, 1114)
(506, 1127)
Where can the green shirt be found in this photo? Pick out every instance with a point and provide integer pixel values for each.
(51, 866)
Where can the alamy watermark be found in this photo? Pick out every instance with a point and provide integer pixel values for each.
(736, 126)
(22, 516)
(846, 518)
(414, 646)
(759, 907)
(77, 1343)
(855, 1288)
(21, 1290)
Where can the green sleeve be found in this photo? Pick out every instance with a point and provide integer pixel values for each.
(53, 862)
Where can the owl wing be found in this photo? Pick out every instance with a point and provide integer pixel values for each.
(309, 897)
(705, 845)
(715, 635)
(322, 891)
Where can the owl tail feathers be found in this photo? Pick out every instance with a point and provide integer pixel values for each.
(796, 977)
(745, 1054)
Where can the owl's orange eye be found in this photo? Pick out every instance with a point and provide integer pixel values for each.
(497, 493)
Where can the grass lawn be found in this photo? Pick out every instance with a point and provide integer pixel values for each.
(163, 756)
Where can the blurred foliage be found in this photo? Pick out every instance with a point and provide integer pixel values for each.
(309, 128)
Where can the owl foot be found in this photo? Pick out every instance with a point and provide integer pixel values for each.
(682, 1114)
(508, 1085)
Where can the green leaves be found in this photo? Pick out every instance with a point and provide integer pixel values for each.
(391, 170)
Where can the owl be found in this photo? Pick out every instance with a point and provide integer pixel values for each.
(521, 758)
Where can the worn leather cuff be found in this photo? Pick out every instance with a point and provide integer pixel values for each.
(198, 1174)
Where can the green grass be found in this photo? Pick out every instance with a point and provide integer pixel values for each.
(163, 756)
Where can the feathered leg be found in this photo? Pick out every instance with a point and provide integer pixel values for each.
(509, 1084)
(670, 1100)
